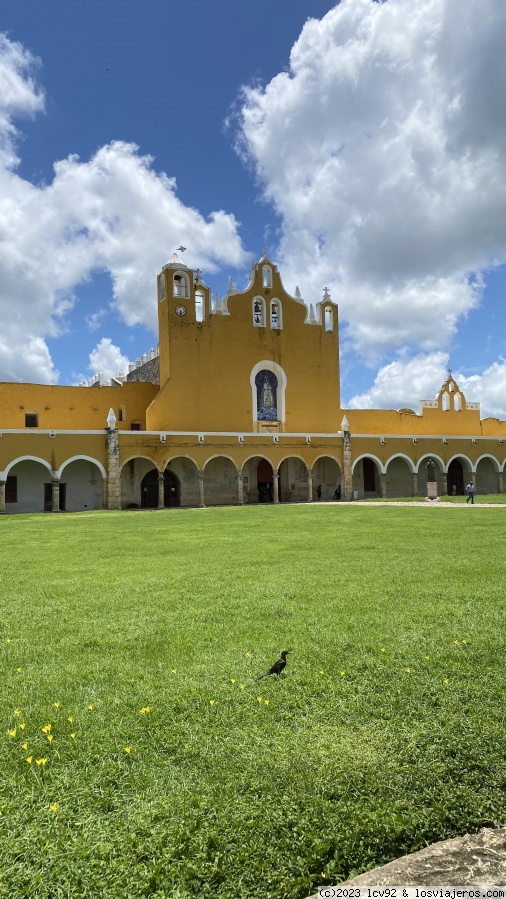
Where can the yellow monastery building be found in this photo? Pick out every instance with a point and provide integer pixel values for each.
(240, 404)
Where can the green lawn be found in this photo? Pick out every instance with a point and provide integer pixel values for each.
(144, 631)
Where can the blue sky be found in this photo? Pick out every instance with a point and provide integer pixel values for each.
(365, 148)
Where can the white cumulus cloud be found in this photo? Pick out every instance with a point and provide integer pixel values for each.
(111, 213)
(107, 359)
(383, 150)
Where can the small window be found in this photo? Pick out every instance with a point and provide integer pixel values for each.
(121, 413)
(199, 305)
(329, 319)
(11, 489)
(259, 312)
(136, 426)
(31, 420)
(267, 276)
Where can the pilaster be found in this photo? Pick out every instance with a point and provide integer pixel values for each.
(275, 484)
(499, 484)
(347, 480)
(161, 490)
(113, 471)
(310, 485)
(202, 504)
(240, 494)
(414, 483)
(55, 504)
(383, 485)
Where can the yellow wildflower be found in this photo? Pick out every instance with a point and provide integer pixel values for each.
(73, 735)
(427, 658)
(248, 654)
(128, 750)
(57, 705)
(29, 759)
(342, 673)
(322, 671)
(41, 761)
(70, 719)
(22, 725)
(212, 701)
(266, 701)
(174, 670)
(19, 669)
(53, 806)
(50, 738)
(91, 707)
(456, 642)
(12, 733)
(8, 640)
(145, 710)
(241, 686)
(382, 649)
(46, 729)
(17, 712)
(259, 699)
(24, 746)
(407, 670)
(446, 681)
(232, 680)
(464, 642)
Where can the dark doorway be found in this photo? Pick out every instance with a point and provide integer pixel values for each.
(369, 476)
(455, 478)
(265, 481)
(48, 497)
(149, 490)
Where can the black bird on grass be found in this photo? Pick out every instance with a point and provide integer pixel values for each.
(278, 666)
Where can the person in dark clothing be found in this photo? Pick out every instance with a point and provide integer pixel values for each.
(319, 491)
(470, 493)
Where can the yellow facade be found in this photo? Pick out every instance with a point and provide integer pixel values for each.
(247, 410)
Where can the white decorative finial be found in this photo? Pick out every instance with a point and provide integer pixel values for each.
(345, 425)
(111, 420)
(311, 317)
(297, 293)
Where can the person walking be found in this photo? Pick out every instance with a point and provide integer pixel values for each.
(319, 492)
(470, 493)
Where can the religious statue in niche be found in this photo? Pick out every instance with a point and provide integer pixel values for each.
(267, 390)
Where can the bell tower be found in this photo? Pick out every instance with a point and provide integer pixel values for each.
(183, 301)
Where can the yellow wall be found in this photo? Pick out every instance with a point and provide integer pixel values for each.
(80, 408)
(208, 365)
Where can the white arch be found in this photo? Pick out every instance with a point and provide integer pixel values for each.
(430, 456)
(401, 456)
(326, 456)
(99, 465)
(492, 459)
(276, 369)
(3, 475)
(258, 456)
(138, 456)
(368, 456)
(181, 456)
(460, 456)
(219, 456)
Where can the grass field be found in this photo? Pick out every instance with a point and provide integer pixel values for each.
(129, 643)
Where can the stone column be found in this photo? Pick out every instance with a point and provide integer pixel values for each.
(275, 485)
(310, 485)
(499, 486)
(202, 504)
(383, 485)
(113, 472)
(240, 494)
(444, 478)
(473, 479)
(2, 497)
(55, 484)
(161, 490)
(414, 483)
(347, 477)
